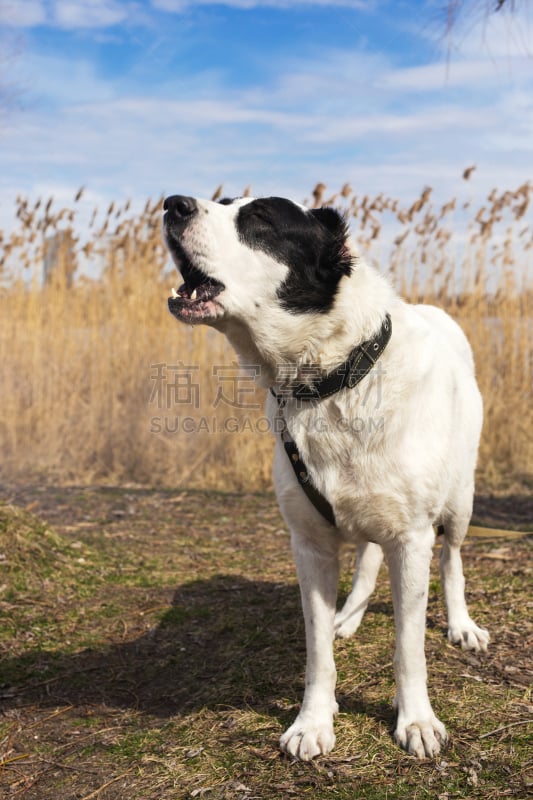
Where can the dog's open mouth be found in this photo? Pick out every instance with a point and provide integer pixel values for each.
(195, 300)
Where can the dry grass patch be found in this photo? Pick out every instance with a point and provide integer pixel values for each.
(84, 399)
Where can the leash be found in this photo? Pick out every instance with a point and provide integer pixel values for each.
(346, 376)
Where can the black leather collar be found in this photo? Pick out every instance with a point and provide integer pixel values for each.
(347, 375)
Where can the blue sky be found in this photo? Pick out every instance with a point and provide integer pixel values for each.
(134, 99)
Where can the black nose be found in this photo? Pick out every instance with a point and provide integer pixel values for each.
(180, 207)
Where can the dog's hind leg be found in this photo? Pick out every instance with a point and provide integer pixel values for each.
(348, 619)
(461, 628)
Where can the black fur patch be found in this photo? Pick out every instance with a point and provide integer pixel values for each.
(310, 243)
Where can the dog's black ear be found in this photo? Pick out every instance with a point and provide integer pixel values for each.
(331, 219)
(336, 255)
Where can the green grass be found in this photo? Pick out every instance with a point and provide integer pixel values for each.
(158, 654)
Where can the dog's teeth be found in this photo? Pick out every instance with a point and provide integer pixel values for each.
(174, 293)
(193, 295)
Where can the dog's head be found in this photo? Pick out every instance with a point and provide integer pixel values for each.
(247, 259)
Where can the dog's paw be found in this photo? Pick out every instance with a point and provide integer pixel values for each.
(469, 636)
(421, 738)
(345, 625)
(308, 737)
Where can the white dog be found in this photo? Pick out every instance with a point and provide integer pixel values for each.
(374, 457)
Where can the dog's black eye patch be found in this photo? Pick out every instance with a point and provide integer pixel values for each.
(310, 243)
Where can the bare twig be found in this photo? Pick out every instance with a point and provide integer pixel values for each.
(504, 727)
(7, 761)
(59, 765)
(101, 788)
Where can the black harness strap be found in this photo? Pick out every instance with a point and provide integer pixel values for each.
(347, 375)
(300, 470)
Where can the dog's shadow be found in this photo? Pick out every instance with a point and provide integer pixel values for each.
(225, 642)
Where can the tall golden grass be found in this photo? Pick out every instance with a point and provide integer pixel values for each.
(100, 383)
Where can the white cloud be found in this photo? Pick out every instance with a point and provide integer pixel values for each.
(467, 74)
(138, 145)
(22, 13)
(46, 75)
(177, 6)
(349, 116)
(79, 14)
(416, 124)
(89, 13)
(69, 14)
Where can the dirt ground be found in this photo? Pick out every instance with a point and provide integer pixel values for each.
(152, 648)
(510, 511)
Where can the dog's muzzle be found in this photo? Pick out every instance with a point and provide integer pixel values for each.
(196, 299)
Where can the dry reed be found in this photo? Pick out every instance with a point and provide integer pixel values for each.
(99, 383)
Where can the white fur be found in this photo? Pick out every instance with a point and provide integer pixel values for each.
(394, 456)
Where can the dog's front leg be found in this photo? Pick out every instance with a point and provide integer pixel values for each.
(417, 729)
(318, 573)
